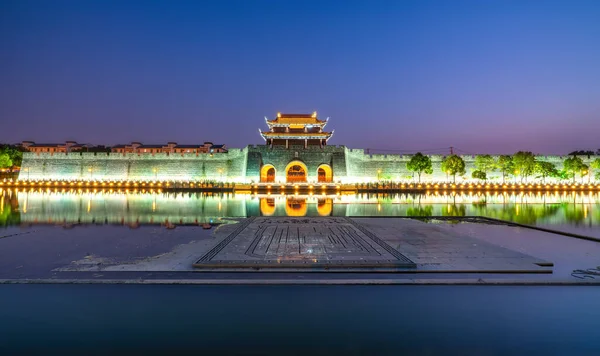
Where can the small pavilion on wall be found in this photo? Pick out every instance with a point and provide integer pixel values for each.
(288, 130)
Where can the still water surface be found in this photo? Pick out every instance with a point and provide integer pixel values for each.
(575, 209)
(167, 319)
(477, 320)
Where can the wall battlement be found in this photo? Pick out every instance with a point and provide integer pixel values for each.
(134, 167)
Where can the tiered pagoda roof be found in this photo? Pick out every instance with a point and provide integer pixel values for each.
(293, 127)
(302, 120)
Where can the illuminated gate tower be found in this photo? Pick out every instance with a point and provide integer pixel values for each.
(301, 134)
(296, 130)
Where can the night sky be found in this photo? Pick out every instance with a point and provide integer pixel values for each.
(483, 76)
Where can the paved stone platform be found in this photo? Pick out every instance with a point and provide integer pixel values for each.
(457, 250)
(362, 244)
(439, 246)
(315, 243)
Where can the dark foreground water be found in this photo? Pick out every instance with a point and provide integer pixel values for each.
(101, 319)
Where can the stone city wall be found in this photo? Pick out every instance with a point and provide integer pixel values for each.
(312, 157)
(243, 166)
(134, 167)
(364, 167)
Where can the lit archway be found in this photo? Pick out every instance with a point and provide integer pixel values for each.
(295, 172)
(324, 174)
(267, 173)
(295, 207)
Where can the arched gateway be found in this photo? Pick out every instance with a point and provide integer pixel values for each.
(324, 174)
(295, 172)
(267, 173)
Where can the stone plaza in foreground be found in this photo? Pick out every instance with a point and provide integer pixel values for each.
(324, 250)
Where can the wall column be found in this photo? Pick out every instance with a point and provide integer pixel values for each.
(286, 143)
(305, 143)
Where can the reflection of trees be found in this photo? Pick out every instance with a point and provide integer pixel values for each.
(574, 214)
(520, 213)
(596, 213)
(454, 210)
(420, 210)
(9, 212)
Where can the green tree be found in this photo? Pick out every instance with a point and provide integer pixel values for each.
(524, 164)
(453, 165)
(505, 165)
(5, 161)
(419, 163)
(477, 174)
(595, 165)
(574, 165)
(485, 163)
(14, 153)
(546, 169)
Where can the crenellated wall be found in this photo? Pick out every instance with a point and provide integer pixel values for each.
(244, 165)
(372, 167)
(229, 166)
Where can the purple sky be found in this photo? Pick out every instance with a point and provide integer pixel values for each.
(483, 76)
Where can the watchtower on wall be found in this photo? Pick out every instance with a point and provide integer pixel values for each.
(288, 130)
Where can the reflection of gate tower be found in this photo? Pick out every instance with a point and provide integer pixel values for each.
(296, 130)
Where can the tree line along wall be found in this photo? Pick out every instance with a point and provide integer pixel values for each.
(229, 166)
(363, 167)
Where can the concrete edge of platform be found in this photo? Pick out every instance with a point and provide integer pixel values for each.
(358, 269)
(466, 281)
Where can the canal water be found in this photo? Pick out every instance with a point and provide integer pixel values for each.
(572, 211)
(282, 320)
(299, 319)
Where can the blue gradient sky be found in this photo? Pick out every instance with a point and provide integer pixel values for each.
(484, 76)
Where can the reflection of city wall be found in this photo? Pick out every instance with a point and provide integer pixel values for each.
(527, 208)
(46, 206)
(187, 208)
(299, 206)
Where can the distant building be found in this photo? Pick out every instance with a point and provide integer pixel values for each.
(170, 147)
(69, 146)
